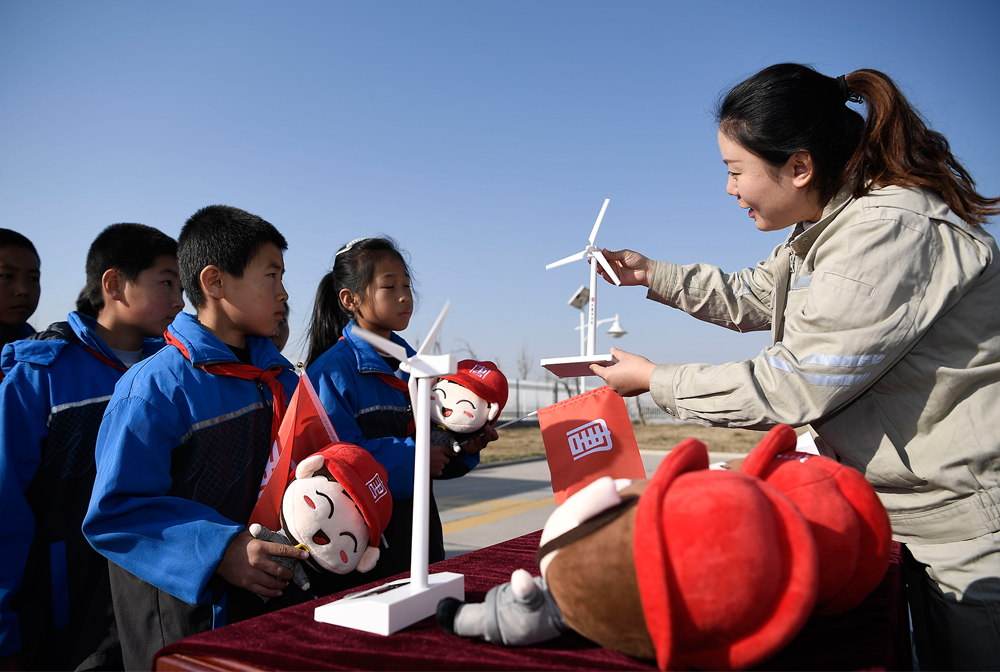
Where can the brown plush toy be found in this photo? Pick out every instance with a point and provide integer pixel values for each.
(693, 568)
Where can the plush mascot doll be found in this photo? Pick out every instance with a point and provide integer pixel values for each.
(336, 509)
(851, 527)
(693, 569)
(464, 402)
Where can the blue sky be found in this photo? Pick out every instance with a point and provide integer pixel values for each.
(483, 136)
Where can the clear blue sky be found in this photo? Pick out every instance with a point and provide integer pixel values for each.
(483, 136)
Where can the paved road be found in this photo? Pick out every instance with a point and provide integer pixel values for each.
(501, 501)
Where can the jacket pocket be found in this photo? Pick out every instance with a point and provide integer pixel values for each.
(866, 439)
(846, 284)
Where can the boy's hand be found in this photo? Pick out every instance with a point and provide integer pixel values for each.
(629, 377)
(247, 564)
(478, 441)
(440, 457)
(631, 267)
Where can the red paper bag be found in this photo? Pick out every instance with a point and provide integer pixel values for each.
(305, 429)
(586, 437)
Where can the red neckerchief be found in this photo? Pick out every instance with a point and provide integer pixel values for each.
(397, 384)
(100, 356)
(245, 372)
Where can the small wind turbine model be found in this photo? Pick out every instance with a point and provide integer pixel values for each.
(573, 367)
(393, 606)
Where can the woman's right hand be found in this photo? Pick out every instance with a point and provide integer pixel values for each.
(631, 267)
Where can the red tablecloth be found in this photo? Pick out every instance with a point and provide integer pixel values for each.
(873, 636)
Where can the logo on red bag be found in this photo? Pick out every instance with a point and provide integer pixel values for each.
(593, 437)
(479, 371)
(376, 487)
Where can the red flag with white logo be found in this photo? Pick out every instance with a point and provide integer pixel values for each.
(586, 437)
(305, 429)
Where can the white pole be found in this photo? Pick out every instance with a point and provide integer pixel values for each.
(583, 347)
(592, 318)
(421, 487)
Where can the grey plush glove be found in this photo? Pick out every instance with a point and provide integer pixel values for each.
(299, 576)
(439, 437)
(519, 613)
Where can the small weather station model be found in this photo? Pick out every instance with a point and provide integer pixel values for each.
(572, 367)
(395, 605)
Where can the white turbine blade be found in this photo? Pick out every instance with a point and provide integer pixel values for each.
(428, 343)
(383, 344)
(575, 257)
(411, 385)
(597, 224)
(606, 266)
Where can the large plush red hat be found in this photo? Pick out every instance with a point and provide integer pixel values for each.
(850, 525)
(365, 480)
(483, 378)
(726, 565)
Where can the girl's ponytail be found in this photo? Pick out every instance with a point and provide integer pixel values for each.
(897, 148)
(328, 318)
(354, 269)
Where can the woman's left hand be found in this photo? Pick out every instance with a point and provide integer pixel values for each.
(629, 376)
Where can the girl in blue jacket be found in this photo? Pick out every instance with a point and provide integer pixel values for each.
(364, 392)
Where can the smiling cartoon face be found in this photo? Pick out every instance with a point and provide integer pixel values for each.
(320, 514)
(459, 409)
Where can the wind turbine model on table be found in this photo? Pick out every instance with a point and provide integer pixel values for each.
(393, 606)
(573, 367)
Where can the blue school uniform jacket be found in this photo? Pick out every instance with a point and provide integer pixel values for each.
(51, 404)
(180, 457)
(365, 410)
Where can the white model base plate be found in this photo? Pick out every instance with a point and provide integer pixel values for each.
(393, 606)
(575, 367)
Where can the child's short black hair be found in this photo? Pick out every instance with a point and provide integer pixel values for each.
(222, 236)
(10, 238)
(129, 249)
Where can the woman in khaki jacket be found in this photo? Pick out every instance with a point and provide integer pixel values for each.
(884, 309)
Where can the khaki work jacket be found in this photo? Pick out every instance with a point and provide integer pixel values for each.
(885, 318)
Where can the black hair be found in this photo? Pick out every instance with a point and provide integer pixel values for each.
(223, 236)
(83, 305)
(10, 238)
(127, 248)
(789, 108)
(354, 269)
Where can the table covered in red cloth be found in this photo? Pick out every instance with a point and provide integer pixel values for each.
(875, 635)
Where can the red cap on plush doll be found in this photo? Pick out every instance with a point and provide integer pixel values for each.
(483, 378)
(849, 523)
(365, 481)
(726, 565)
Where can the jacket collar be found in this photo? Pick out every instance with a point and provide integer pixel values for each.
(800, 241)
(205, 348)
(85, 328)
(368, 358)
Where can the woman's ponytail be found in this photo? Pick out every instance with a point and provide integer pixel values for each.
(897, 148)
(788, 108)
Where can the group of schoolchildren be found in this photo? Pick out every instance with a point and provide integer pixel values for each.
(134, 437)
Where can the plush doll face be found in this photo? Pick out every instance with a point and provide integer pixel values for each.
(459, 409)
(319, 513)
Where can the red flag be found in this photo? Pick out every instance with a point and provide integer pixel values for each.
(305, 429)
(586, 437)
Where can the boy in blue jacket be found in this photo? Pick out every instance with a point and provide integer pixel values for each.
(20, 273)
(55, 602)
(184, 442)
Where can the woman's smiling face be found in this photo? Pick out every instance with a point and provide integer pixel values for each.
(775, 197)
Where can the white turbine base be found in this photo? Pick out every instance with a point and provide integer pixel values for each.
(576, 367)
(392, 609)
